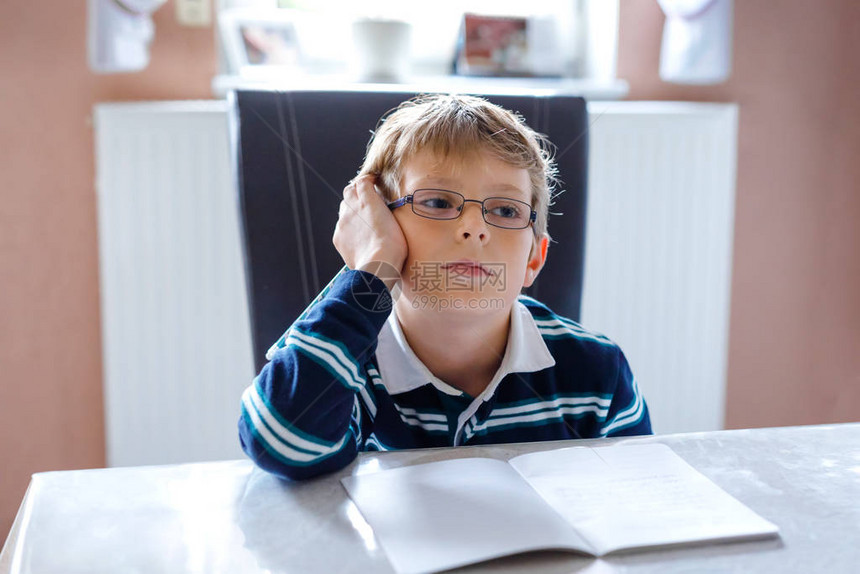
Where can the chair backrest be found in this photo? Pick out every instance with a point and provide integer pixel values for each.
(297, 150)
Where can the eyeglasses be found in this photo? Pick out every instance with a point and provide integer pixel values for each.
(443, 204)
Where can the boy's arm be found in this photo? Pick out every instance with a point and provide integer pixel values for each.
(301, 416)
(628, 413)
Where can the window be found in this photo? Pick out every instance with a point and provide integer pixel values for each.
(583, 33)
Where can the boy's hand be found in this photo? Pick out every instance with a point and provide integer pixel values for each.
(367, 235)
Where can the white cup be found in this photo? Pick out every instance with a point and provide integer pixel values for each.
(381, 49)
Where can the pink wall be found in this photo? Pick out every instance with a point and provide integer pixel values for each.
(795, 325)
(50, 350)
(794, 345)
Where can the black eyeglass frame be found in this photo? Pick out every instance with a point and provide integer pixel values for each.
(408, 199)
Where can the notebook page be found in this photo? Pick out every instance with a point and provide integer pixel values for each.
(630, 496)
(441, 515)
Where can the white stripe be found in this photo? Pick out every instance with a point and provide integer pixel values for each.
(571, 322)
(555, 403)
(633, 410)
(368, 399)
(335, 351)
(375, 378)
(469, 428)
(618, 422)
(356, 415)
(368, 402)
(254, 402)
(632, 413)
(374, 441)
(556, 320)
(277, 346)
(356, 410)
(558, 327)
(329, 360)
(425, 426)
(535, 417)
(422, 416)
(416, 419)
(341, 359)
(574, 334)
(273, 441)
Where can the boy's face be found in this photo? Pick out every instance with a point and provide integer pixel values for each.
(465, 264)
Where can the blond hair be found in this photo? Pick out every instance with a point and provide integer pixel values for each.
(457, 126)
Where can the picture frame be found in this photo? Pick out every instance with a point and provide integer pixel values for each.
(508, 46)
(259, 41)
(493, 46)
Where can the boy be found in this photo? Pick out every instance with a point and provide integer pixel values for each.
(447, 217)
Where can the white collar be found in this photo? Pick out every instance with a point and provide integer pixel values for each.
(403, 371)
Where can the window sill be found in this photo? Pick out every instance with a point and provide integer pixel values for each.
(590, 89)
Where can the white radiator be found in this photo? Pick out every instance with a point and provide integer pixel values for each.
(175, 326)
(659, 250)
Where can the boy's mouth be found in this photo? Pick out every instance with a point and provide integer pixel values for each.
(466, 267)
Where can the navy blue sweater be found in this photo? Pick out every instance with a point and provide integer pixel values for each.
(321, 398)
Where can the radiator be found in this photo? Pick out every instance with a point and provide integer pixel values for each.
(659, 250)
(175, 326)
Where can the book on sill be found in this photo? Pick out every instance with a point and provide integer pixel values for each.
(443, 515)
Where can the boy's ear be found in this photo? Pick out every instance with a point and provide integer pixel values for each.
(537, 258)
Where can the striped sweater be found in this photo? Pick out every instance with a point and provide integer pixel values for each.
(342, 380)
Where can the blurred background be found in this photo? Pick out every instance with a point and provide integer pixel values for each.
(794, 320)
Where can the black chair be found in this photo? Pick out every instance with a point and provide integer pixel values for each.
(296, 151)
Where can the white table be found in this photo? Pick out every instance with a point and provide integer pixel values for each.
(230, 517)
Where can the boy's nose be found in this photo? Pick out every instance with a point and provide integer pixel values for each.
(471, 222)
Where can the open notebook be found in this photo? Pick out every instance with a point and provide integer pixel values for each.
(442, 515)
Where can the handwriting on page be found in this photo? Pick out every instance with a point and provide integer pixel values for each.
(584, 500)
(610, 496)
